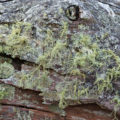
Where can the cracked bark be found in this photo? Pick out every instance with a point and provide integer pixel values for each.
(45, 108)
(32, 11)
(4, 1)
(34, 104)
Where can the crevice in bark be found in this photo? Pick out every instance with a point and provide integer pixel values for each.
(8, 23)
(36, 93)
(17, 62)
(3, 1)
(23, 106)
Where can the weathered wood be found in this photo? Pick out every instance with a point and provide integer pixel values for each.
(26, 25)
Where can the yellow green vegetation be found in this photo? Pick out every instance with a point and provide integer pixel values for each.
(56, 109)
(16, 43)
(34, 79)
(6, 70)
(82, 58)
(3, 93)
(4, 59)
(78, 58)
(6, 92)
(116, 101)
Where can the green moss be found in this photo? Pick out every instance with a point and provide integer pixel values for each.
(86, 58)
(56, 51)
(34, 79)
(6, 92)
(17, 42)
(49, 95)
(3, 94)
(6, 70)
(56, 109)
(70, 94)
(62, 102)
(116, 101)
(78, 57)
(1, 49)
(4, 59)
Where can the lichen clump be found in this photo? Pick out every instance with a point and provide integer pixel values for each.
(16, 43)
(6, 92)
(78, 58)
(6, 70)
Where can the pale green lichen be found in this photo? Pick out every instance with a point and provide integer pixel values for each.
(79, 58)
(116, 101)
(6, 70)
(1, 50)
(5, 59)
(3, 93)
(35, 79)
(56, 109)
(6, 92)
(87, 57)
(17, 42)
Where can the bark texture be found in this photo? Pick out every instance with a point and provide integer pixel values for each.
(40, 52)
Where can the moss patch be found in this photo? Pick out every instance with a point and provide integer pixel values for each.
(6, 92)
(77, 58)
(17, 42)
(6, 70)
